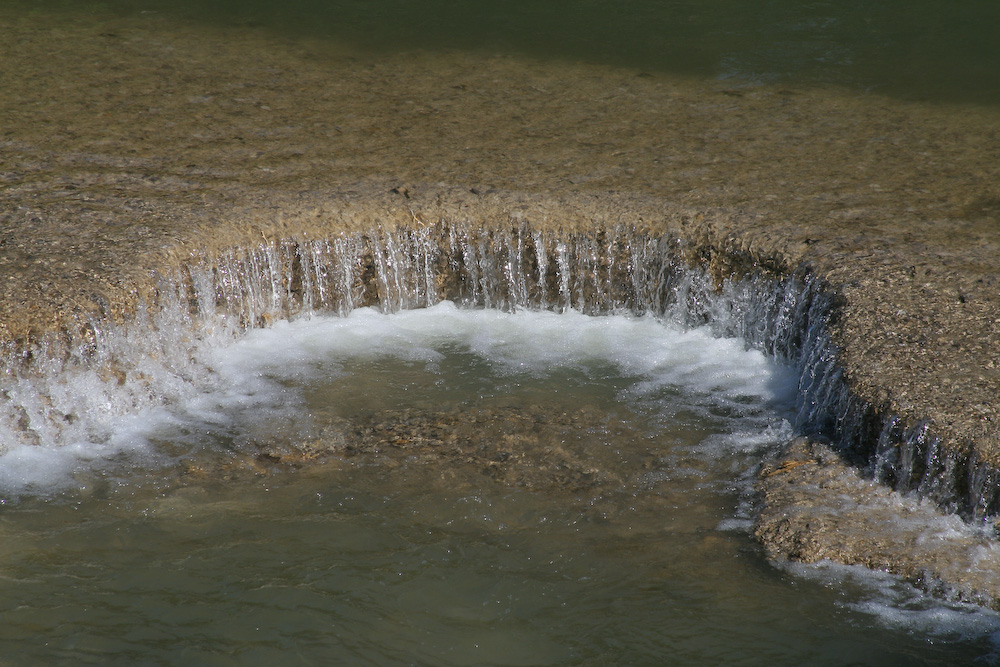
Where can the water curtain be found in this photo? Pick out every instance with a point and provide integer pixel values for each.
(118, 369)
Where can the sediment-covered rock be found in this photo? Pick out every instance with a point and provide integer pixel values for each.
(817, 507)
(132, 148)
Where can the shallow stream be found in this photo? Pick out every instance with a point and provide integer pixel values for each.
(445, 486)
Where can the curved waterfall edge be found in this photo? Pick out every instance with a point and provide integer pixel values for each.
(622, 269)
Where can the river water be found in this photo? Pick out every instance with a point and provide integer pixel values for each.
(922, 50)
(476, 487)
(449, 487)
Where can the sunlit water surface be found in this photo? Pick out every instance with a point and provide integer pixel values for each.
(593, 510)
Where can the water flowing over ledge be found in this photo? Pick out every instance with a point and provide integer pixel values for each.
(68, 390)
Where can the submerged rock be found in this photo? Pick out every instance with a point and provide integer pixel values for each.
(532, 448)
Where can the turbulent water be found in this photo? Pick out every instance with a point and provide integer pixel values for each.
(479, 487)
(520, 484)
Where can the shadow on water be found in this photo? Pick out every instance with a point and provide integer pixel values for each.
(921, 50)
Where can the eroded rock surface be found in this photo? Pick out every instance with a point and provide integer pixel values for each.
(816, 507)
(128, 144)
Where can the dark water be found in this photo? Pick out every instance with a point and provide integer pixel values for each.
(916, 49)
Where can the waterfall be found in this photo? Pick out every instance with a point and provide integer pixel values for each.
(68, 387)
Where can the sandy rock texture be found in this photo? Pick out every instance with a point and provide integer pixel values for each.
(126, 144)
(537, 448)
(816, 508)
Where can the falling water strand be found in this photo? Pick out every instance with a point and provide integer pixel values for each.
(511, 267)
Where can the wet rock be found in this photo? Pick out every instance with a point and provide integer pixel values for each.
(816, 507)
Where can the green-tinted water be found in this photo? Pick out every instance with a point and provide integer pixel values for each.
(922, 49)
(376, 566)
(453, 511)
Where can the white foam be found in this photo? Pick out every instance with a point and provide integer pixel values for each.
(900, 605)
(182, 388)
(720, 372)
(179, 385)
